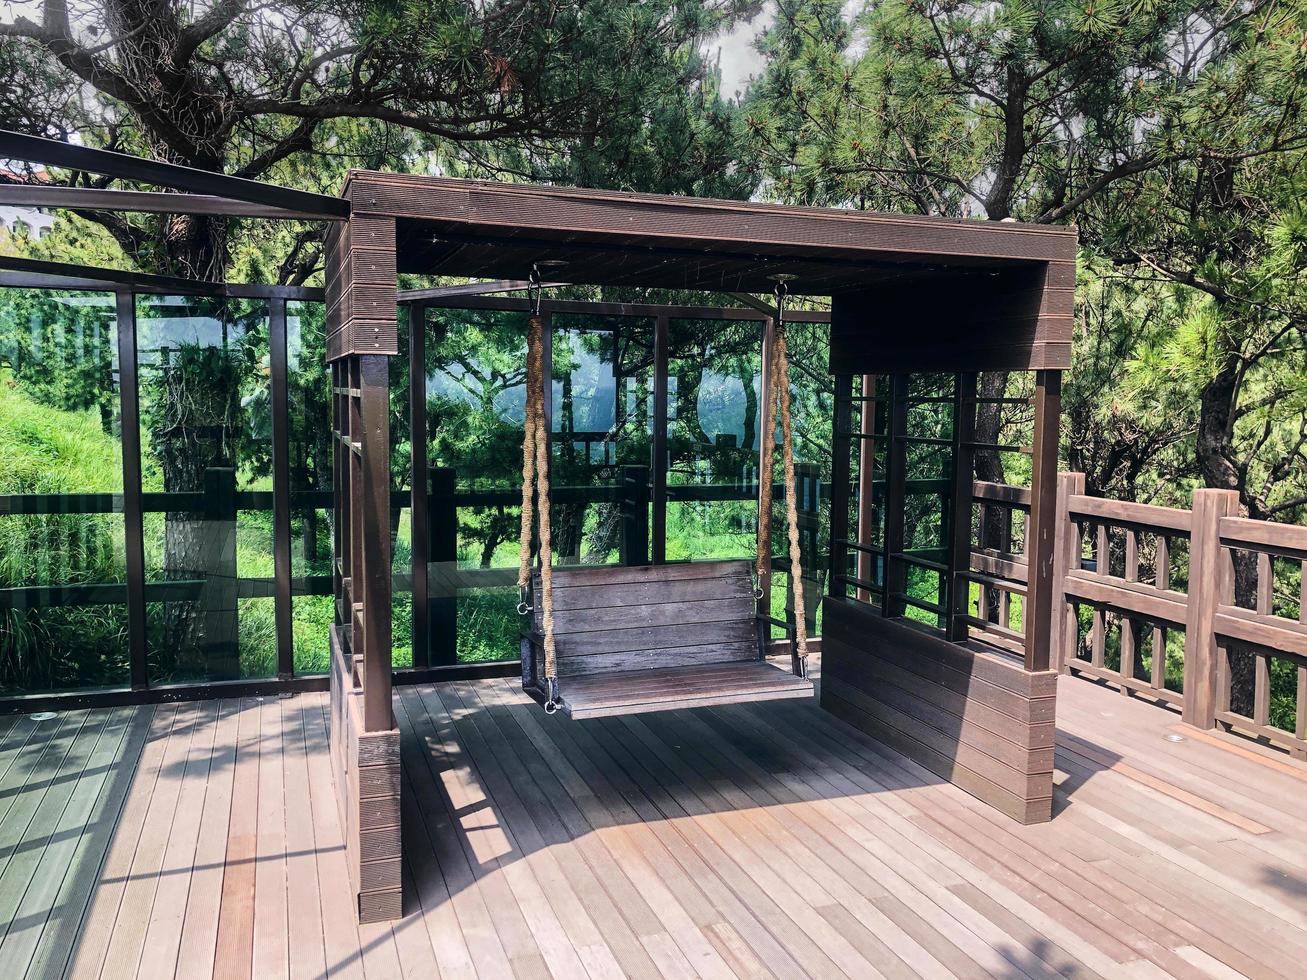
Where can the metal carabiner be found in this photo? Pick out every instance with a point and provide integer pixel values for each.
(534, 289)
(780, 290)
(523, 607)
(553, 702)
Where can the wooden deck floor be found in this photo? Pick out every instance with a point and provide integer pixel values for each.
(202, 840)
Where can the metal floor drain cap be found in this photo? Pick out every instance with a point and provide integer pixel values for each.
(44, 716)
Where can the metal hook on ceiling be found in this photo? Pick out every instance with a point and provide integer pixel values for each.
(780, 291)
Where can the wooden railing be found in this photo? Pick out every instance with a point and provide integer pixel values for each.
(1117, 585)
(999, 567)
(1264, 636)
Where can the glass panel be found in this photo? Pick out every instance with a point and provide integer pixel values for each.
(309, 397)
(206, 435)
(63, 614)
(713, 418)
(401, 523)
(812, 406)
(476, 399)
(602, 423)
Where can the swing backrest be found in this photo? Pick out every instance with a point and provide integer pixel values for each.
(617, 618)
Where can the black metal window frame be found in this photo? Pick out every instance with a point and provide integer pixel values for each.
(432, 539)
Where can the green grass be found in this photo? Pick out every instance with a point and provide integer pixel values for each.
(45, 450)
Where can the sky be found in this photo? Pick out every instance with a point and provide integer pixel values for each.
(738, 58)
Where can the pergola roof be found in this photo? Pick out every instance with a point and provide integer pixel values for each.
(483, 229)
(909, 293)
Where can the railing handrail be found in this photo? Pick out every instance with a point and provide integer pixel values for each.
(1120, 513)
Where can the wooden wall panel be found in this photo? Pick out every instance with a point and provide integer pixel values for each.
(527, 208)
(361, 287)
(1016, 319)
(975, 718)
(367, 776)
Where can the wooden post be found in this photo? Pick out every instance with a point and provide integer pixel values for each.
(1211, 582)
(866, 484)
(659, 461)
(1037, 610)
(374, 440)
(133, 532)
(1065, 630)
(839, 487)
(442, 550)
(766, 437)
(635, 515)
(896, 462)
(958, 588)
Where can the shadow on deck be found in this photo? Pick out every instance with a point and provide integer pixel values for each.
(766, 839)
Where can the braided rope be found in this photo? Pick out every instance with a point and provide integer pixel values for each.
(546, 543)
(765, 464)
(535, 487)
(528, 472)
(791, 503)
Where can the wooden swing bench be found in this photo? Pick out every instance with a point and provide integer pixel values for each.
(654, 638)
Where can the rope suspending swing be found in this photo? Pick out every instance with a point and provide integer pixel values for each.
(535, 489)
(778, 390)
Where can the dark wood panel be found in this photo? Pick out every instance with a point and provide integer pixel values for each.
(963, 714)
(1012, 804)
(610, 575)
(857, 624)
(917, 712)
(652, 638)
(892, 683)
(619, 596)
(633, 692)
(569, 212)
(708, 613)
(702, 653)
(1006, 320)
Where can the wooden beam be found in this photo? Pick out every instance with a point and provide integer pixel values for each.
(147, 202)
(55, 153)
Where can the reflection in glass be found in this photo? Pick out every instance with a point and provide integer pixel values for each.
(308, 382)
(476, 398)
(63, 614)
(713, 417)
(206, 433)
(602, 422)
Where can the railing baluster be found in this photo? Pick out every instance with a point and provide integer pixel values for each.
(1221, 693)
(1261, 688)
(1129, 628)
(1098, 637)
(1162, 579)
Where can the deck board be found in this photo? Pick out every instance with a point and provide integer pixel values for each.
(750, 840)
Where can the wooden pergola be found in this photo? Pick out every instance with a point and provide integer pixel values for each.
(909, 295)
